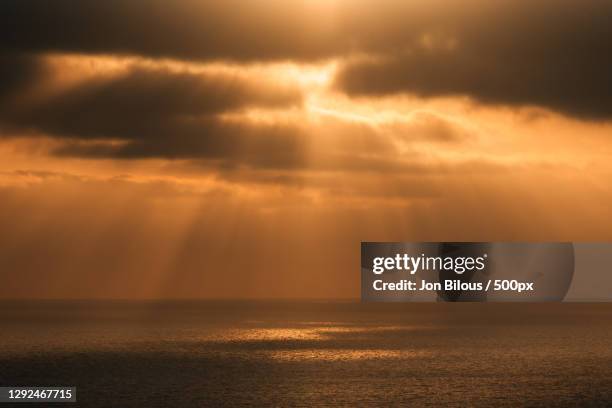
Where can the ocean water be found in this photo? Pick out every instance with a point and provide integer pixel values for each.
(310, 354)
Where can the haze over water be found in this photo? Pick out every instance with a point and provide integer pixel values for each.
(310, 353)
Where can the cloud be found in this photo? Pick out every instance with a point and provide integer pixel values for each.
(17, 72)
(245, 30)
(553, 54)
(249, 150)
(118, 108)
(156, 112)
(102, 106)
(550, 53)
(231, 144)
(73, 236)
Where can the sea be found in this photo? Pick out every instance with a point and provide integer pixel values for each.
(310, 353)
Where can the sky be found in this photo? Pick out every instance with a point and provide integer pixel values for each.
(245, 148)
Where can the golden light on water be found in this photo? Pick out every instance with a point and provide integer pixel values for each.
(335, 355)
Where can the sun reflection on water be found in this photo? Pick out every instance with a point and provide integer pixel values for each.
(345, 355)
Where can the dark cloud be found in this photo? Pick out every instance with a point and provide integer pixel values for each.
(155, 112)
(550, 53)
(113, 105)
(185, 29)
(149, 110)
(17, 72)
(152, 111)
(554, 54)
(230, 144)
